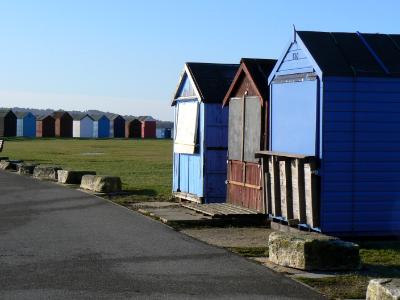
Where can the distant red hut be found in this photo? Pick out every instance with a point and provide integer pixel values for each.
(63, 124)
(148, 127)
(45, 126)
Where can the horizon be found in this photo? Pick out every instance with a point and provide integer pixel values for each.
(126, 56)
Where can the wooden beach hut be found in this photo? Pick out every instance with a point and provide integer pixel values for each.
(101, 126)
(149, 125)
(63, 124)
(8, 123)
(26, 124)
(333, 159)
(117, 126)
(133, 128)
(248, 100)
(82, 126)
(45, 126)
(201, 132)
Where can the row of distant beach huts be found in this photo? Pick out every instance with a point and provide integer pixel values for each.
(311, 139)
(66, 125)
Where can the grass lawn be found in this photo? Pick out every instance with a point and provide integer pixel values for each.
(380, 259)
(145, 166)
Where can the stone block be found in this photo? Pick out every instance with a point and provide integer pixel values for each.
(9, 164)
(72, 177)
(312, 251)
(26, 168)
(46, 172)
(384, 289)
(5, 165)
(101, 184)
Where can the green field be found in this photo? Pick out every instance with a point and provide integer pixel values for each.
(145, 166)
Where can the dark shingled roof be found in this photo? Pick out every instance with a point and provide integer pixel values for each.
(354, 54)
(42, 117)
(5, 112)
(212, 80)
(80, 116)
(97, 117)
(259, 70)
(21, 114)
(58, 114)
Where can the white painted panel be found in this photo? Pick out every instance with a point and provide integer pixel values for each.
(76, 128)
(186, 132)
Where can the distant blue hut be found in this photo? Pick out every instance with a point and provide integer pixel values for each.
(117, 126)
(336, 97)
(101, 126)
(26, 124)
(201, 132)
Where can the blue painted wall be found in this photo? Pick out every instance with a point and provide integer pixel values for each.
(215, 156)
(361, 156)
(103, 128)
(27, 126)
(188, 168)
(119, 127)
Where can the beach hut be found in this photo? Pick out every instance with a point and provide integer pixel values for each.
(82, 126)
(248, 100)
(45, 126)
(160, 133)
(8, 123)
(148, 130)
(117, 126)
(26, 124)
(201, 132)
(133, 128)
(101, 126)
(334, 133)
(63, 124)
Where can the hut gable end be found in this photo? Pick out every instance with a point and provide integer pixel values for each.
(295, 61)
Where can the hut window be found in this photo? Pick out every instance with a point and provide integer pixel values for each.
(186, 134)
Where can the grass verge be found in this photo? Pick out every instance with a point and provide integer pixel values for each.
(145, 166)
(380, 259)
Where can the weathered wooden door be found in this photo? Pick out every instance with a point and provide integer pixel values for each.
(244, 184)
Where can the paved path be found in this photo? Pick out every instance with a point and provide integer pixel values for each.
(59, 243)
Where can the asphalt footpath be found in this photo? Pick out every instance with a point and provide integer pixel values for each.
(60, 243)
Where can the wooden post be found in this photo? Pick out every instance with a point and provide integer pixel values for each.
(266, 189)
(275, 187)
(311, 194)
(298, 191)
(286, 189)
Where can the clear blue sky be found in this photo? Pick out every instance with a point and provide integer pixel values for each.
(126, 56)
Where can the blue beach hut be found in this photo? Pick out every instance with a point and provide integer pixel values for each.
(26, 124)
(201, 132)
(101, 126)
(336, 97)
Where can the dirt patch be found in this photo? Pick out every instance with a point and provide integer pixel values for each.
(231, 237)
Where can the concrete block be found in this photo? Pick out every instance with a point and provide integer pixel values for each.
(9, 164)
(46, 172)
(72, 177)
(101, 184)
(384, 289)
(26, 168)
(312, 251)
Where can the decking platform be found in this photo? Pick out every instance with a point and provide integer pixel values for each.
(218, 210)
